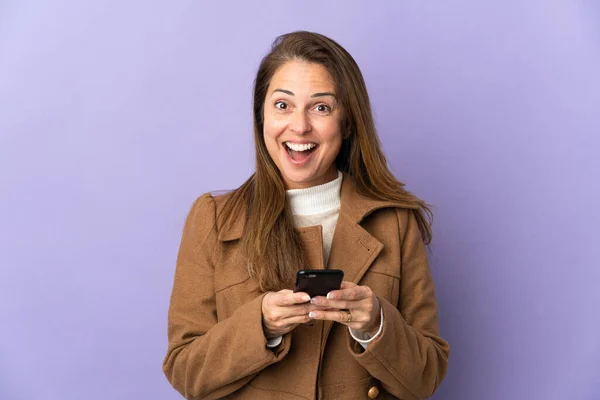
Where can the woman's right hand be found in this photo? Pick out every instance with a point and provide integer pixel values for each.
(284, 310)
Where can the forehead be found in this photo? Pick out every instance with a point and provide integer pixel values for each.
(302, 75)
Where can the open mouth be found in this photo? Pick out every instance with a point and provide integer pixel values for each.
(300, 152)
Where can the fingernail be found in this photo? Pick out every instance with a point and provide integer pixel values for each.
(306, 298)
(312, 301)
(329, 296)
(311, 314)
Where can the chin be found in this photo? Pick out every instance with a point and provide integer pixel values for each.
(303, 179)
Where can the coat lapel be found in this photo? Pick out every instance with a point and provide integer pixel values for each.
(353, 249)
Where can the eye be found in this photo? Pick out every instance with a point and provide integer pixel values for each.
(281, 105)
(323, 108)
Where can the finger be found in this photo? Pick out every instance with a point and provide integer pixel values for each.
(287, 298)
(297, 319)
(303, 309)
(340, 316)
(351, 293)
(347, 284)
(285, 312)
(335, 304)
(284, 325)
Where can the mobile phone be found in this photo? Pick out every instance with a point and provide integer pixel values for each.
(318, 282)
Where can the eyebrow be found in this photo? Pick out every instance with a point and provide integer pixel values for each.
(319, 94)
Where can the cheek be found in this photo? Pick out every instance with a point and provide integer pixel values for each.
(270, 135)
(270, 142)
(274, 125)
(333, 135)
(269, 131)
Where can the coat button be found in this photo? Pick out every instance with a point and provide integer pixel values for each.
(373, 392)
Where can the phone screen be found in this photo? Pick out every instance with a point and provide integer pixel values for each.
(318, 282)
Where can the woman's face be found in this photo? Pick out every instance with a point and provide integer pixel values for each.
(302, 121)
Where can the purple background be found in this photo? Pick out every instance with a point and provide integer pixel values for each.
(115, 116)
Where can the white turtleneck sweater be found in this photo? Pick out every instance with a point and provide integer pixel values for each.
(320, 205)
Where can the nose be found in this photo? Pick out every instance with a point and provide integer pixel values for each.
(300, 123)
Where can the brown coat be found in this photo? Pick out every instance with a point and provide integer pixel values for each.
(216, 340)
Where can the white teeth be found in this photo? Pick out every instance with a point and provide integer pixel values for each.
(300, 147)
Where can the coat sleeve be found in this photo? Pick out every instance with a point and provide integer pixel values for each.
(207, 358)
(409, 358)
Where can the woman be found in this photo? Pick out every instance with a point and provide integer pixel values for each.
(321, 197)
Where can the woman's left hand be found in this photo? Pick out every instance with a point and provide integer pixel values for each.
(352, 305)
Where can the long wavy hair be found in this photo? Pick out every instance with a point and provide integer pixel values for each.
(269, 241)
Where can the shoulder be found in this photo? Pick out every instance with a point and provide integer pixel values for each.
(360, 204)
(203, 211)
(211, 203)
(392, 217)
(411, 224)
(208, 211)
(220, 198)
(404, 215)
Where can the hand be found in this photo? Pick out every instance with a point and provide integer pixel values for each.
(284, 310)
(357, 302)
